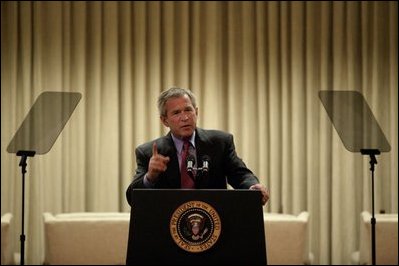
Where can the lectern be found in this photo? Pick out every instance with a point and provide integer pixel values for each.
(196, 227)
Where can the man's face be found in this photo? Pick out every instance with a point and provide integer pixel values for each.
(181, 116)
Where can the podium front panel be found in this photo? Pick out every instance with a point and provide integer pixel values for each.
(237, 227)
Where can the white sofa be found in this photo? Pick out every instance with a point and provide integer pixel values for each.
(386, 240)
(6, 251)
(287, 239)
(86, 238)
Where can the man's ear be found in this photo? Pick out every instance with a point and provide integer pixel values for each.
(196, 111)
(164, 121)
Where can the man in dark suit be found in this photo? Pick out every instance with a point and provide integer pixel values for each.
(159, 162)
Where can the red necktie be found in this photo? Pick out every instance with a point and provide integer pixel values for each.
(186, 180)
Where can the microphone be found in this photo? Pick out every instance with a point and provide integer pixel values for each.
(190, 161)
(205, 163)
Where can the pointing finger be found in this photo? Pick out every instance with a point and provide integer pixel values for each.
(154, 149)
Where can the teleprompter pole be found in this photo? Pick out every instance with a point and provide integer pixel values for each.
(24, 157)
(373, 161)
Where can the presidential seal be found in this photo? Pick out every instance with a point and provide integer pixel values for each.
(195, 226)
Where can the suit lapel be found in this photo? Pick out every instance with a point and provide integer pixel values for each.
(203, 144)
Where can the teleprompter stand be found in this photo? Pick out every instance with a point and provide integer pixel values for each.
(373, 161)
(24, 157)
(37, 134)
(359, 131)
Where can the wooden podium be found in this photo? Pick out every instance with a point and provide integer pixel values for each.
(196, 227)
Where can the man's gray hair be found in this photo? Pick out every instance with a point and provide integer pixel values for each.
(173, 92)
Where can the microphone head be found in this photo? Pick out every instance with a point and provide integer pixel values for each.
(190, 161)
(205, 163)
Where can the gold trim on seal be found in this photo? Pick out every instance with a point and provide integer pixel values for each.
(195, 226)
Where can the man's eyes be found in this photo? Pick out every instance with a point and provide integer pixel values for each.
(188, 110)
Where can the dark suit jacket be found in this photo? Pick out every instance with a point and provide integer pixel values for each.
(224, 163)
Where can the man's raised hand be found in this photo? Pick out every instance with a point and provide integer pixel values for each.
(157, 165)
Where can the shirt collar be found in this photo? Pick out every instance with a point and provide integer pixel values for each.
(179, 142)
